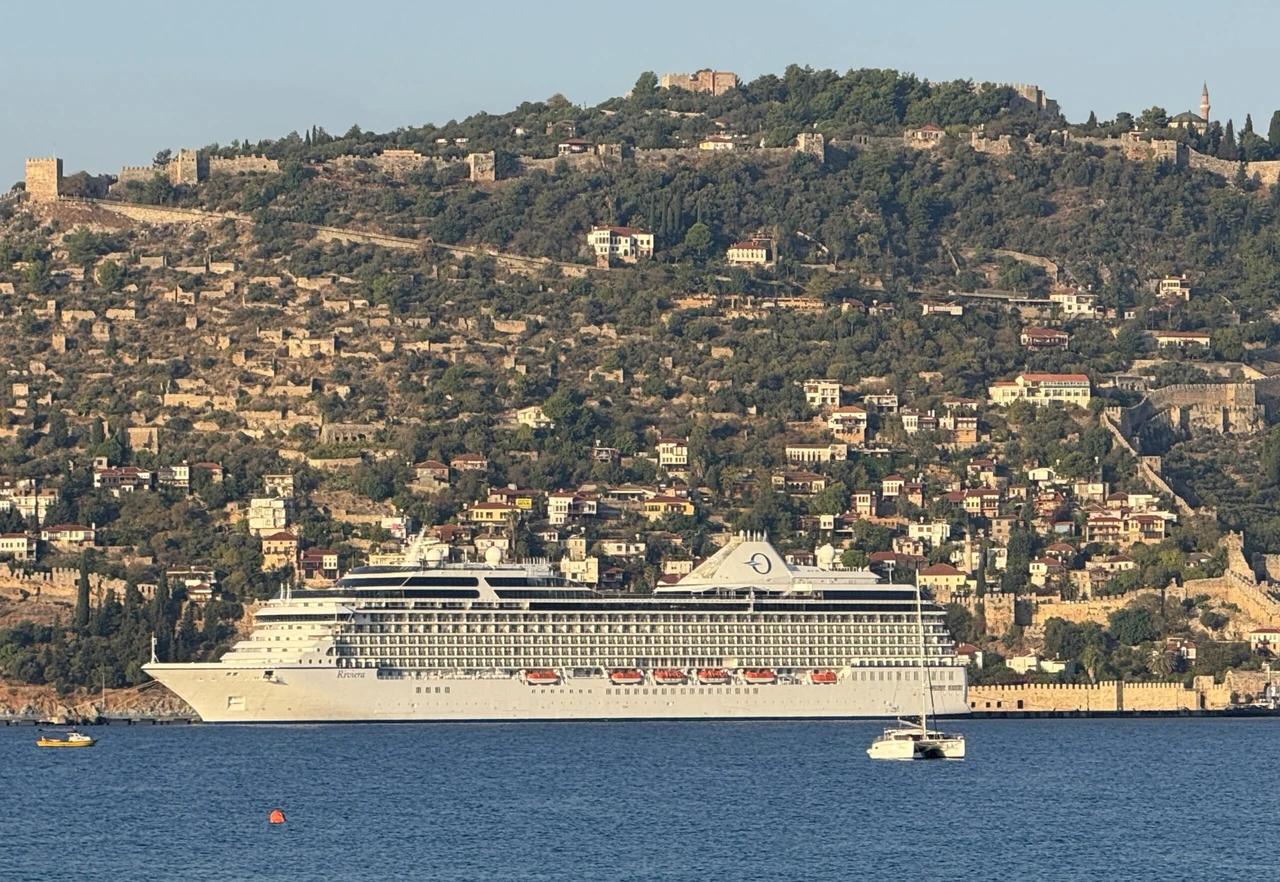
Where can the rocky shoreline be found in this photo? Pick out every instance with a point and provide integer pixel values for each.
(44, 704)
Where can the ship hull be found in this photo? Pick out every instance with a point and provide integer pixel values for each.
(223, 694)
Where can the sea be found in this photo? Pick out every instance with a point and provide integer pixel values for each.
(1068, 799)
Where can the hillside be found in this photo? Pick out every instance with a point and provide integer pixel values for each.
(358, 313)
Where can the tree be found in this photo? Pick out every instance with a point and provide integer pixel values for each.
(1092, 123)
(698, 239)
(162, 158)
(1153, 118)
(1273, 131)
(110, 275)
(1228, 149)
(81, 619)
(1132, 626)
(853, 559)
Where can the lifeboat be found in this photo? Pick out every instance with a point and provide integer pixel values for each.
(823, 677)
(764, 676)
(668, 677)
(541, 678)
(712, 677)
(626, 677)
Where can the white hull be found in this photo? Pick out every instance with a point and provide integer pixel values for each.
(223, 694)
(910, 744)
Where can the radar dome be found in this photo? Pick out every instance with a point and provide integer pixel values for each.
(493, 556)
(826, 556)
(435, 555)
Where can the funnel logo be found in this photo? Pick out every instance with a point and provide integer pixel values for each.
(760, 563)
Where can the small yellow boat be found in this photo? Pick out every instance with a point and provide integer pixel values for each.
(72, 739)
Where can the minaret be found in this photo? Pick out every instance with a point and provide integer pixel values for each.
(1204, 103)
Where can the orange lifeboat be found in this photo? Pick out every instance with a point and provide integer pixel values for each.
(668, 677)
(764, 676)
(712, 677)
(628, 677)
(823, 676)
(541, 678)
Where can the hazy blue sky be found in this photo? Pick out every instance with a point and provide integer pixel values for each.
(107, 83)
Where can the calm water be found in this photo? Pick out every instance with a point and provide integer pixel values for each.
(1045, 799)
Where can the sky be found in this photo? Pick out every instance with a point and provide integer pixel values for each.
(106, 83)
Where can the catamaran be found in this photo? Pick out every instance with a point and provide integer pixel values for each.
(917, 742)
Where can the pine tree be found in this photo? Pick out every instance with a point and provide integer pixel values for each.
(81, 620)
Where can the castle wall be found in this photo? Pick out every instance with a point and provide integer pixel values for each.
(239, 165)
(1109, 696)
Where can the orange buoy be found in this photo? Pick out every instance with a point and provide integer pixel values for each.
(276, 816)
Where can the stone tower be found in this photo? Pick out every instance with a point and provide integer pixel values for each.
(1204, 103)
(483, 167)
(187, 167)
(43, 179)
(813, 144)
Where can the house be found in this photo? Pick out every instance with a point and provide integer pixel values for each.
(319, 564)
(865, 502)
(491, 514)
(176, 476)
(882, 403)
(822, 393)
(573, 147)
(936, 533)
(19, 546)
(1044, 338)
(623, 243)
(268, 515)
(659, 507)
(943, 580)
(606, 454)
(470, 462)
(622, 548)
(1181, 339)
(1265, 641)
(279, 550)
(805, 454)
(1045, 570)
(849, 423)
(968, 654)
(963, 427)
(799, 483)
(534, 418)
(1075, 304)
(751, 252)
(951, 309)
(280, 486)
(69, 537)
(1174, 287)
(1104, 528)
(924, 138)
(523, 500)
(984, 502)
(913, 422)
(33, 503)
(673, 454)
(213, 469)
(431, 470)
(892, 486)
(125, 479)
(564, 507)
(1043, 389)
(717, 143)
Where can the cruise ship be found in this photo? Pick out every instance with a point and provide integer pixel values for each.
(744, 635)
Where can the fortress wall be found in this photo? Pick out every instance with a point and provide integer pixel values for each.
(242, 165)
(1078, 611)
(1104, 696)
(1107, 696)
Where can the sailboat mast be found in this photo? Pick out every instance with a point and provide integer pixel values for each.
(924, 674)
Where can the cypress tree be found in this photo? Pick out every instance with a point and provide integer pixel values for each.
(1092, 123)
(81, 620)
(1227, 150)
(188, 640)
(1248, 126)
(1273, 132)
